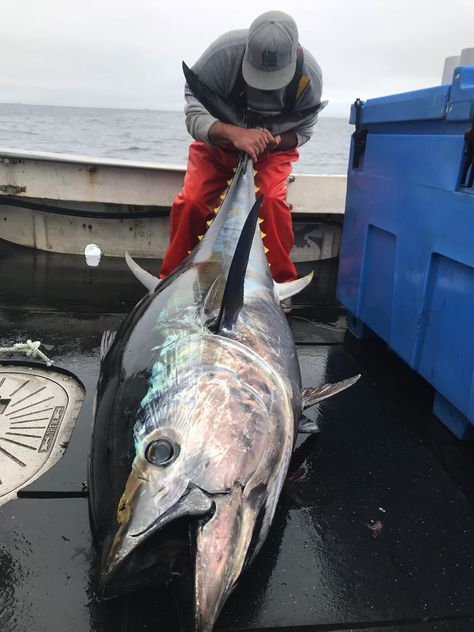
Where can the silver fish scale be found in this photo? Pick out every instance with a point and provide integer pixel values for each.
(222, 382)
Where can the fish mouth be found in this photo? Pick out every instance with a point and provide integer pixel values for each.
(200, 532)
(224, 543)
(156, 554)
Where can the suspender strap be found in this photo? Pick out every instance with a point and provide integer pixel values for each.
(291, 92)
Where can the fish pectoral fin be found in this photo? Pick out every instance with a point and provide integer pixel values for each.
(285, 290)
(148, 280)
(308, 426)
(107, 339)
(312, 396)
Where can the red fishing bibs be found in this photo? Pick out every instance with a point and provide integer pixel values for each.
(207, 178)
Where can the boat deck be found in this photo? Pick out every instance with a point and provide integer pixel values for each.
(375, 527)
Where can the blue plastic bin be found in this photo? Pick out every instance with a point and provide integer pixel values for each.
(407, 255)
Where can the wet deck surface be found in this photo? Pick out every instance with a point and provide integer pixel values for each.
(375, 528)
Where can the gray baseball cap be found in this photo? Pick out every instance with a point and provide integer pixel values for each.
(270, 56)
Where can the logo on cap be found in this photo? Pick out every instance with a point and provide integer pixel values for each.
(270, 58)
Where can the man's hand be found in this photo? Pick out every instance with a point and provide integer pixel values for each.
(252, 141)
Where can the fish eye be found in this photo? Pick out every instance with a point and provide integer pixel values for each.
(161, 452)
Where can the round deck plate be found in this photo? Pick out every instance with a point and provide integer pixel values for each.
(38, 409)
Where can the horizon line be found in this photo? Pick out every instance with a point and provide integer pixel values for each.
(139, 109)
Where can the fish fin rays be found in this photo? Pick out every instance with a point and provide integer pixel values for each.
(312, 396)
(233, 296)
(286, 290)
(107, 339)
(213, 300)
(148, 280)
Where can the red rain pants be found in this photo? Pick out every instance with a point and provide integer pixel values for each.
(209, 169)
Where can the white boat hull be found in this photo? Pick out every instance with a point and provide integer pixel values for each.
(76, 192)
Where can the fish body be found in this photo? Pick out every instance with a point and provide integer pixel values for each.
(197, 409)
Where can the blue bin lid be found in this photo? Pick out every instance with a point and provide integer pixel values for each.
(452, 102)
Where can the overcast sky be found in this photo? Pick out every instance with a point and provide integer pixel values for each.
(112, 53)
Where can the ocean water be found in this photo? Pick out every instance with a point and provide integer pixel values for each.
(144, 135)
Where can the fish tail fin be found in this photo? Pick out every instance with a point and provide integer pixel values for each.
(213, 102)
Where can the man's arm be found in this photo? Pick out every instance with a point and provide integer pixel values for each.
(252, 141)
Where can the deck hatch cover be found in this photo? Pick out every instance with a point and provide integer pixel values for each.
(38, 409)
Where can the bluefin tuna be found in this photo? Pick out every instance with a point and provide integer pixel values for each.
(198, 405)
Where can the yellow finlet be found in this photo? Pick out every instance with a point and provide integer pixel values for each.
(260, 220)
(266, 249)
(229, 182)
(257, 189)
(189, 252)
(200, 237)
(254, 173)
(209, 222)
(263, 235)
(216, 210)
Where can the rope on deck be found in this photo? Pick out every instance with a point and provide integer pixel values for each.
(30, 349)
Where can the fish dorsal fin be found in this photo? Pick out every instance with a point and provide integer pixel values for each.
(312, 396)
(145, 278)
(233, 297)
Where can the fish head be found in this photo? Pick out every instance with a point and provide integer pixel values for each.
(207, 452)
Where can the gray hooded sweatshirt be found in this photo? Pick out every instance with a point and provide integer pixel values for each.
(219, 67)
